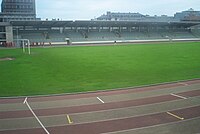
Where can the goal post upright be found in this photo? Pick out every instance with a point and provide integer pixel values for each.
(29, 47)
(23, 46)
(25, 43)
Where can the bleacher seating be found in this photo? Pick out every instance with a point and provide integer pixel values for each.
(75, 36)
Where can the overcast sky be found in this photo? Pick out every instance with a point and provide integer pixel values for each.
(88, 9)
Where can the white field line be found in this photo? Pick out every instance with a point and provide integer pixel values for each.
(182, 97)
(100, 100)
(26, 102)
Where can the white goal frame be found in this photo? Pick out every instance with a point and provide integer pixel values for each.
(25, 44)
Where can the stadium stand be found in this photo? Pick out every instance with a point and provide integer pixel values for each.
(55, 36)
(120, 27)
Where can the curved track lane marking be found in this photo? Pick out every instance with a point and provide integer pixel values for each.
(93, 100)
(107, 114)
(96, 107)
(112, 125)
(99, 93)
(90, 101)
(87, 108)
(141, 115)
(117, 125)
(150, 127)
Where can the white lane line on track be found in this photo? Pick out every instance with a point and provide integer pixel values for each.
(100, 100)
(26, 102)
(176, 116)
(182, 97)
(150, 127)
(182, 83)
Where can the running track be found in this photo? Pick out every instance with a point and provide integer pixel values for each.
(91, 116)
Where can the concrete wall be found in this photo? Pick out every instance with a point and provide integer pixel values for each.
(9, 34)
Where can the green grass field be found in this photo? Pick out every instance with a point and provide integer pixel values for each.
(80, 69)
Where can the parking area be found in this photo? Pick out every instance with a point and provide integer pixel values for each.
(164, 109)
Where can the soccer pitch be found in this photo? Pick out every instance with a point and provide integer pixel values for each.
(91, 68)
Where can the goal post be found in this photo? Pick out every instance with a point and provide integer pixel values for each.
(25, 44)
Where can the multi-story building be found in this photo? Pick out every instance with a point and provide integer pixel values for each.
(111, 16)
(17, 10)
(189, 15)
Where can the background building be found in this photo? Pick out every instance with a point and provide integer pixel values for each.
(189, 15)
(17, 10)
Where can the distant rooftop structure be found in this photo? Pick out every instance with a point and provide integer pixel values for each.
(189, 15)
(17, 10)
(121, 16)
